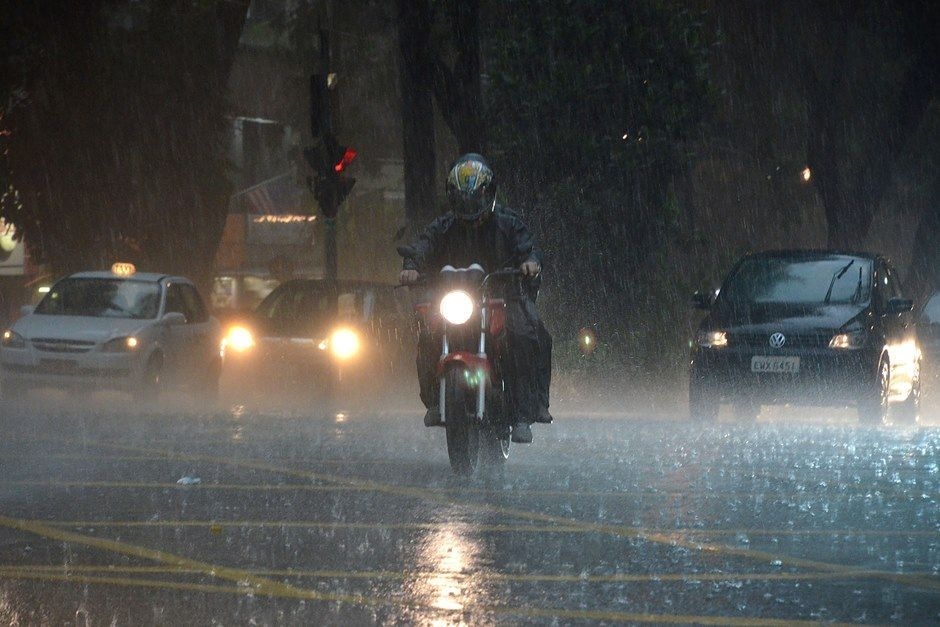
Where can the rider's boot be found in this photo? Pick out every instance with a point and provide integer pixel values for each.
(521, 433)
(432, 418)
(542, 416)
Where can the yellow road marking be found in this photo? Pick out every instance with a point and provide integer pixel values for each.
(429, 495)
(572, 528)
(476, 575)
(530, 612)
(259, 585)
(671, 539)
(716, 494)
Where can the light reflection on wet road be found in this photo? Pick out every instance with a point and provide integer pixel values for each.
(356, 519)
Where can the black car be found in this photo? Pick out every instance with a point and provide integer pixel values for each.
(928, 332)
(807, 327)
(306, 335)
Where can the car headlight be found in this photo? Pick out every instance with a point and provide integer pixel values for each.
(238, 339)
(121, 345)
(344, 343)
(457, 307)
(711, 339)
(12, 339)
(848, 341)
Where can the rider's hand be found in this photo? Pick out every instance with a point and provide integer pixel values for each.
(530, 268)
(408, 277)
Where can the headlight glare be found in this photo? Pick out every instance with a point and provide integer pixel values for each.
(711, 339)
(848, 341)
(12, 339)
(457, 307)
(121, 345)
(344, 343)
(238, 339)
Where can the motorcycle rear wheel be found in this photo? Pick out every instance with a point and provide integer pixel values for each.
(463, 433)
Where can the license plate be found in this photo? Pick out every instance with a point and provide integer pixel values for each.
(775, 364)
(58, 366)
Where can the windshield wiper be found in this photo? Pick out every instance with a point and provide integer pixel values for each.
(835, 277)
(857, 296)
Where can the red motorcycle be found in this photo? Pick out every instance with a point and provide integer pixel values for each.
(473, 402)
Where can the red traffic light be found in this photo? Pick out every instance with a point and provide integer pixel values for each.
(348, 155)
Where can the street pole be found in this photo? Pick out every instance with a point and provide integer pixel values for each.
(330, 260)
(327, 157)
(329, 250)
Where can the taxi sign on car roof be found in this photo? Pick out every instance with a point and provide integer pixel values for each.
(122, 268)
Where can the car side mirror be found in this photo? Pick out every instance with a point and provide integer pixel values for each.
(25, 310)
(702, 300)
(173, 318)
(900, 305)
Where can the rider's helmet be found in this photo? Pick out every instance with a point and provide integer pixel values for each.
(471, 188)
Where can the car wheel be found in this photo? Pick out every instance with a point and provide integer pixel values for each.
(151, 382)
(873, 409)
(209, 386)
(909, 411)
(703, 400)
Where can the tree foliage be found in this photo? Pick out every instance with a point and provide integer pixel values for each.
(591, 108)
(115, 145)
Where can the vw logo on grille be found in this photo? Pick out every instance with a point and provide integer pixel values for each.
(777, 340)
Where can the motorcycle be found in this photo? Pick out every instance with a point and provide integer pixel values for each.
(473, 404)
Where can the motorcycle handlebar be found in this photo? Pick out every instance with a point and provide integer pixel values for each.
(425, 278)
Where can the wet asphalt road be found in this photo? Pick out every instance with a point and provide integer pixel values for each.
(301, 518)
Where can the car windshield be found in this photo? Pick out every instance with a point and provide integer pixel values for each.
(931, 313)
(316, 306)
(308, 306)
(832, 280)
(102, 298)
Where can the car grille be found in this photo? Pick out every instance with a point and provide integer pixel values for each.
(51, 345)
(794, 340)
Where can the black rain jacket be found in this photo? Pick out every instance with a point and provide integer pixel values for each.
(502, 241)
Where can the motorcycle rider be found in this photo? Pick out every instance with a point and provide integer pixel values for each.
(476, 229)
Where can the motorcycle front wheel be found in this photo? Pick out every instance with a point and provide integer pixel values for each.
(463, 433)
(494, 449)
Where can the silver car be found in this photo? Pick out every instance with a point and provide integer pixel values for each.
(138, 332)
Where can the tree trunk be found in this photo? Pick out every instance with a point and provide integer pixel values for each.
(458, 91)
(415, 69)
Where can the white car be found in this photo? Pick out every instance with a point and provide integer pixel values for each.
(137, 332)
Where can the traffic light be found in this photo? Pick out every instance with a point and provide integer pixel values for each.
(329, 160)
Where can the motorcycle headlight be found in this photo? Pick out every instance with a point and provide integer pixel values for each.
(121, 345)
(457, 307)
(238, 339)
(848, 341)
(711, 339)
(12, 339)
(344, 343)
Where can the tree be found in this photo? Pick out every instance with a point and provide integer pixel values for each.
(861, 66)
(591, 108)
(416, 67)
(440, 62)
(116, 147)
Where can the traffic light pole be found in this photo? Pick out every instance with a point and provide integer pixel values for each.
(330, 256)
(328, 158)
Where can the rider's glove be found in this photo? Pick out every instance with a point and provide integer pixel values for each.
(530, 268)
(408, 277)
